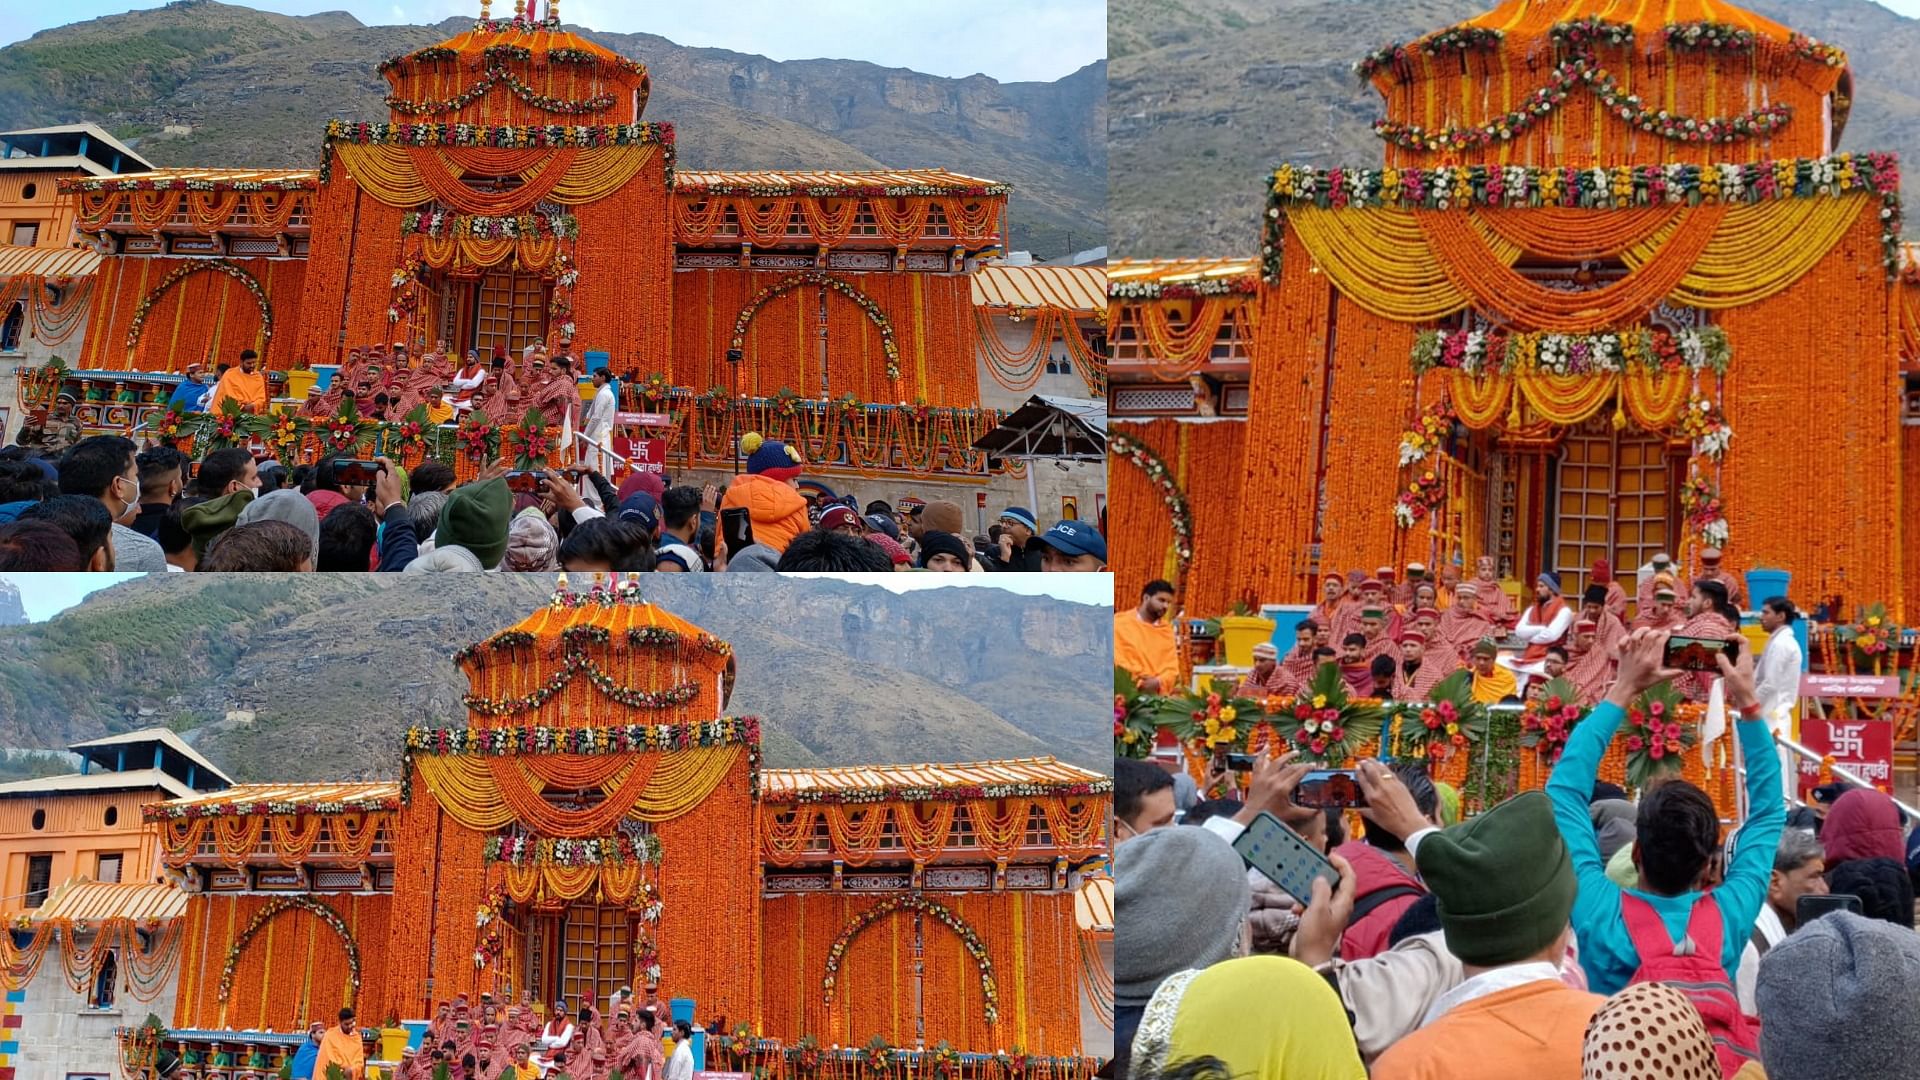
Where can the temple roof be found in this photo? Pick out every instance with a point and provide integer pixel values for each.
(282, 799)
(1069, 288)
(1528, 17)
(201, 180)
(1132, 279)
(828, 182)
(980, 779)
(83, 900)
(18, 260)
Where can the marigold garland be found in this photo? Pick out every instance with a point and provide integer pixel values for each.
(825, 281)
(192, 266)
(289, 903)
(975, 947)
(1128, 448)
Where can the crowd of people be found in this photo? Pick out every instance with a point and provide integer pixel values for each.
(512, 1040)
(1569, 934)
(1397, 639)
(108, 503)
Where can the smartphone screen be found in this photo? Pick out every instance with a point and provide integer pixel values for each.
(736, 528)
(1287, 860)
(355, 472)
(1808, 908)
(525, 483)
(1330, 787)
(1240, 762)
(1696, 654)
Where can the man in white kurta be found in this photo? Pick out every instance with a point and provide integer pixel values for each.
(555, 1037)
(1777, 683)
(680, 1065)
(598, 424)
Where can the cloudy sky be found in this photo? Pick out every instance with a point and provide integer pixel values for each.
(1010, 40)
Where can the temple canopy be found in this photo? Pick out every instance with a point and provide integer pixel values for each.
(524, 70)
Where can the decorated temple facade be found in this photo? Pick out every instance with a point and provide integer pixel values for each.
(514, 195)
(1610, 285)
(600, 822)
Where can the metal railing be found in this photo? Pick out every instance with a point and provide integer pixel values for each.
(1840, 771)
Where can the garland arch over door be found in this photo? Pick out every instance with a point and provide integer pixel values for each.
(188, 269)
(265, 915)
(867, 304)
(976, 948)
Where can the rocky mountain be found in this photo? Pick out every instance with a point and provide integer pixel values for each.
(307, 677)
(11, 611)
(1207, 95)
(204, 83)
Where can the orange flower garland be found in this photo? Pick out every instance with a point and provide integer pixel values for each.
(1140, 532)
(710, 863)
(317, 339)
(293, 969)
(1839, 521)
(1372, 393)
(623, 300)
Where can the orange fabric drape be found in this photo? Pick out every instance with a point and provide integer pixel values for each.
(1569, 234)
(440, 170)
(1475, 270)
(519, 787)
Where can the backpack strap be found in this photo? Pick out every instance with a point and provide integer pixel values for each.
(1366, 905)
(1645, 928)
(1706, 930)
(1760, 942)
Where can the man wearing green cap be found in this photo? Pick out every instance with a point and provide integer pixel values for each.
(1505, 886)
(476, 517)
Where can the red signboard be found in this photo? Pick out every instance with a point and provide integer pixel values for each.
(1832, 686)
(647, 455)
(1863, 747)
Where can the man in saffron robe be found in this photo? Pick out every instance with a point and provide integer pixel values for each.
(1609, 631)
(1418, 673)
(1545, 623)
(245, 384)
(1710, 571)
(1590, 664)
(1661, 564)
(1464, 624)
(1664, 613)
(1449, 584)
(1495, 604)
(1710, 616)
(342, 1046)
(1143, 641)
(1616, 602)
(1356, 668)
(1492, 683)
(1263, 680)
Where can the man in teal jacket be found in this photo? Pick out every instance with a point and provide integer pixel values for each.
(1677, 837)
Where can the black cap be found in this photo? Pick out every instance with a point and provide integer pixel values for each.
(1596, 594)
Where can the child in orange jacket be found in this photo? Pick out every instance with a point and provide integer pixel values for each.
(767, 492)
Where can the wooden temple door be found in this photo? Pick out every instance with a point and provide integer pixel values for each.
(1614, 500)
(595, 951)
(509, 310)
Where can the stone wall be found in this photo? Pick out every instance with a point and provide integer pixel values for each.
(53, 1034)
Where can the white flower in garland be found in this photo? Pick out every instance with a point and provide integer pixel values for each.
(1402, 516)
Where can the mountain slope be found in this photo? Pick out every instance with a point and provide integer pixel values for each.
(1207, 95)
(256, 87)
(312, 678)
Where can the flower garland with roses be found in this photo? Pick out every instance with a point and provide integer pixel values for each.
(1449, 721)
(1442, 186)
(1323, 724)
(529, 441)
(1612, 352)
(490, 943)
(478, 436)
(825, 280)
(1547, 720)
(1455, 39)
(1700, 502)
(617, 850)
(1707, 426)
(502, 137)
(1872, 638)
(542, 222)
(287, 903)
(1143, 457)
(499, 75)
(975, 947)
(1659, 729)
(1427, 434)
(1425, 493)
